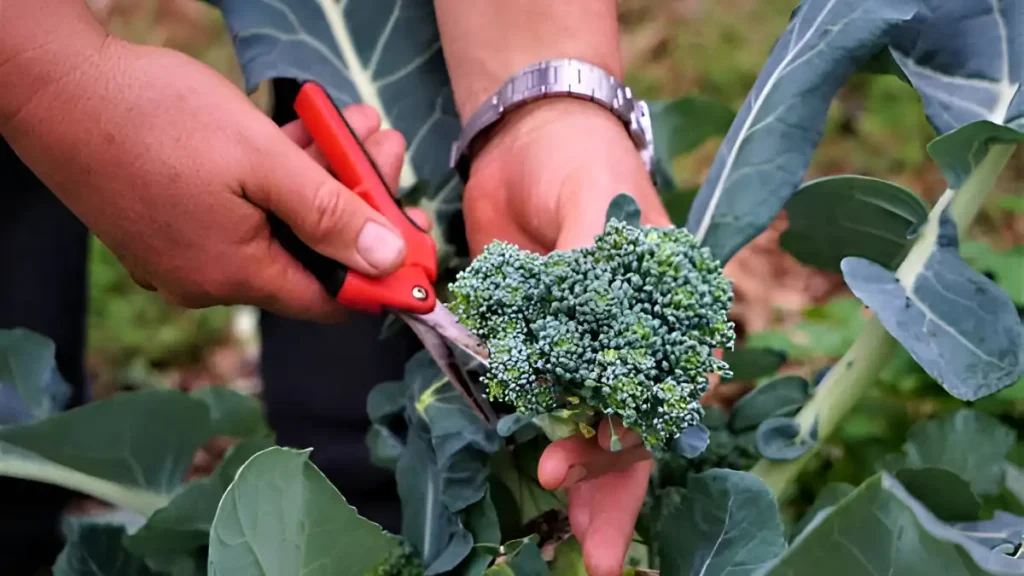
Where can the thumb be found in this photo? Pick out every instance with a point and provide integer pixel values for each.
(586, 220)
(326, 215)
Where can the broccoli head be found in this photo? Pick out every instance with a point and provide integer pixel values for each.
(401, 561)
(626, 326)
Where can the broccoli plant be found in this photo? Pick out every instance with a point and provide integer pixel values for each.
(626, 328)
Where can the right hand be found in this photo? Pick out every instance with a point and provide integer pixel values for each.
(174, 168)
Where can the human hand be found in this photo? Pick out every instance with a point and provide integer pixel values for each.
(174, 169)
(544, 182)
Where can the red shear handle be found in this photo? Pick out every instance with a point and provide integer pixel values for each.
(409, 288)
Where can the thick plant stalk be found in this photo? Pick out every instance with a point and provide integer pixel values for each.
(852, 375)
(144, 502)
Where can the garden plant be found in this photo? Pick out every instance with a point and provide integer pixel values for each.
(792, 479)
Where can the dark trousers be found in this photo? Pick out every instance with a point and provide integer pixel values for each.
(315, 377)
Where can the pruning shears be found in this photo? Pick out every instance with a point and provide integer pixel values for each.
(408, 292)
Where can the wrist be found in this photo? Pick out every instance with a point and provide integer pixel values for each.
(35, 58)
(575, 119)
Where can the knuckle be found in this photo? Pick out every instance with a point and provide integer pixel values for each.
(331, 211)
(394, 140)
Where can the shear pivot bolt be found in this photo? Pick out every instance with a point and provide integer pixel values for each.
(419, 293)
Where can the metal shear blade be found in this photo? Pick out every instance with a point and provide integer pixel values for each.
(437, 330)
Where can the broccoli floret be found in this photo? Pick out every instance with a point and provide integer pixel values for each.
(626, 326)
(402, 561)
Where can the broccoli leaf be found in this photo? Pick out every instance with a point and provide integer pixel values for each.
(881, 529)
(769, 146)
(969, 443)
(839, 216)
(692, 442)
(522, 558)
(780, 397)
(779, 439)
(946, 494)
(1002, 528)
(233, 413)
(281, 516)
(724, 522)
(960, 152)
(383, 53)
(681, 125)
(432, 529)
(107, 449)
(481, 519)
(460, 440)
(31, 388)
(751, 363)
(956, 323)
(181, 529)
(624, 209)
(963, 58)
(93, 548)
(827, 498)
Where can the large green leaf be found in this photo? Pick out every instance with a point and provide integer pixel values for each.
(385, 53)
(432, 529)
(881, 529)
(838, 216)
(769, 146)
(181, 529)
(963, 58)
(460, 439)
(282, 517)
(31, 388)
(481, 519)
(132, 449)
(972, 444)
(462, 443)
(956, 323)
(725, 522)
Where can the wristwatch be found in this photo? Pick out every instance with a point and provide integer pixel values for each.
(560, 77)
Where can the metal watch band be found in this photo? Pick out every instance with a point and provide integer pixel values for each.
(560, 77)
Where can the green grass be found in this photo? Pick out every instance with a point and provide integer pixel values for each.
(130, 326)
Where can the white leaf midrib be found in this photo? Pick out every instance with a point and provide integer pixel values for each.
(360, 73)
(779, 71)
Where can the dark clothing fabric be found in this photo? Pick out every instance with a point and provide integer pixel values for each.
(315, 377)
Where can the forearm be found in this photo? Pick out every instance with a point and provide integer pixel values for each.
(486, 41)
(42, 44)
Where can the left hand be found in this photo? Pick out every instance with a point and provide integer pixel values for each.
(544, 181)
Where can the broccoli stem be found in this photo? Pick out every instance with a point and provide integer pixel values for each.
(850, 378)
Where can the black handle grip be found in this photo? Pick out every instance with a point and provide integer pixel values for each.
(330, 273)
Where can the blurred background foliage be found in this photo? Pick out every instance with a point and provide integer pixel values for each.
(711, 48)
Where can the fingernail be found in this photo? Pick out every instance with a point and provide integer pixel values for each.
(378, 246)
(573, 476)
